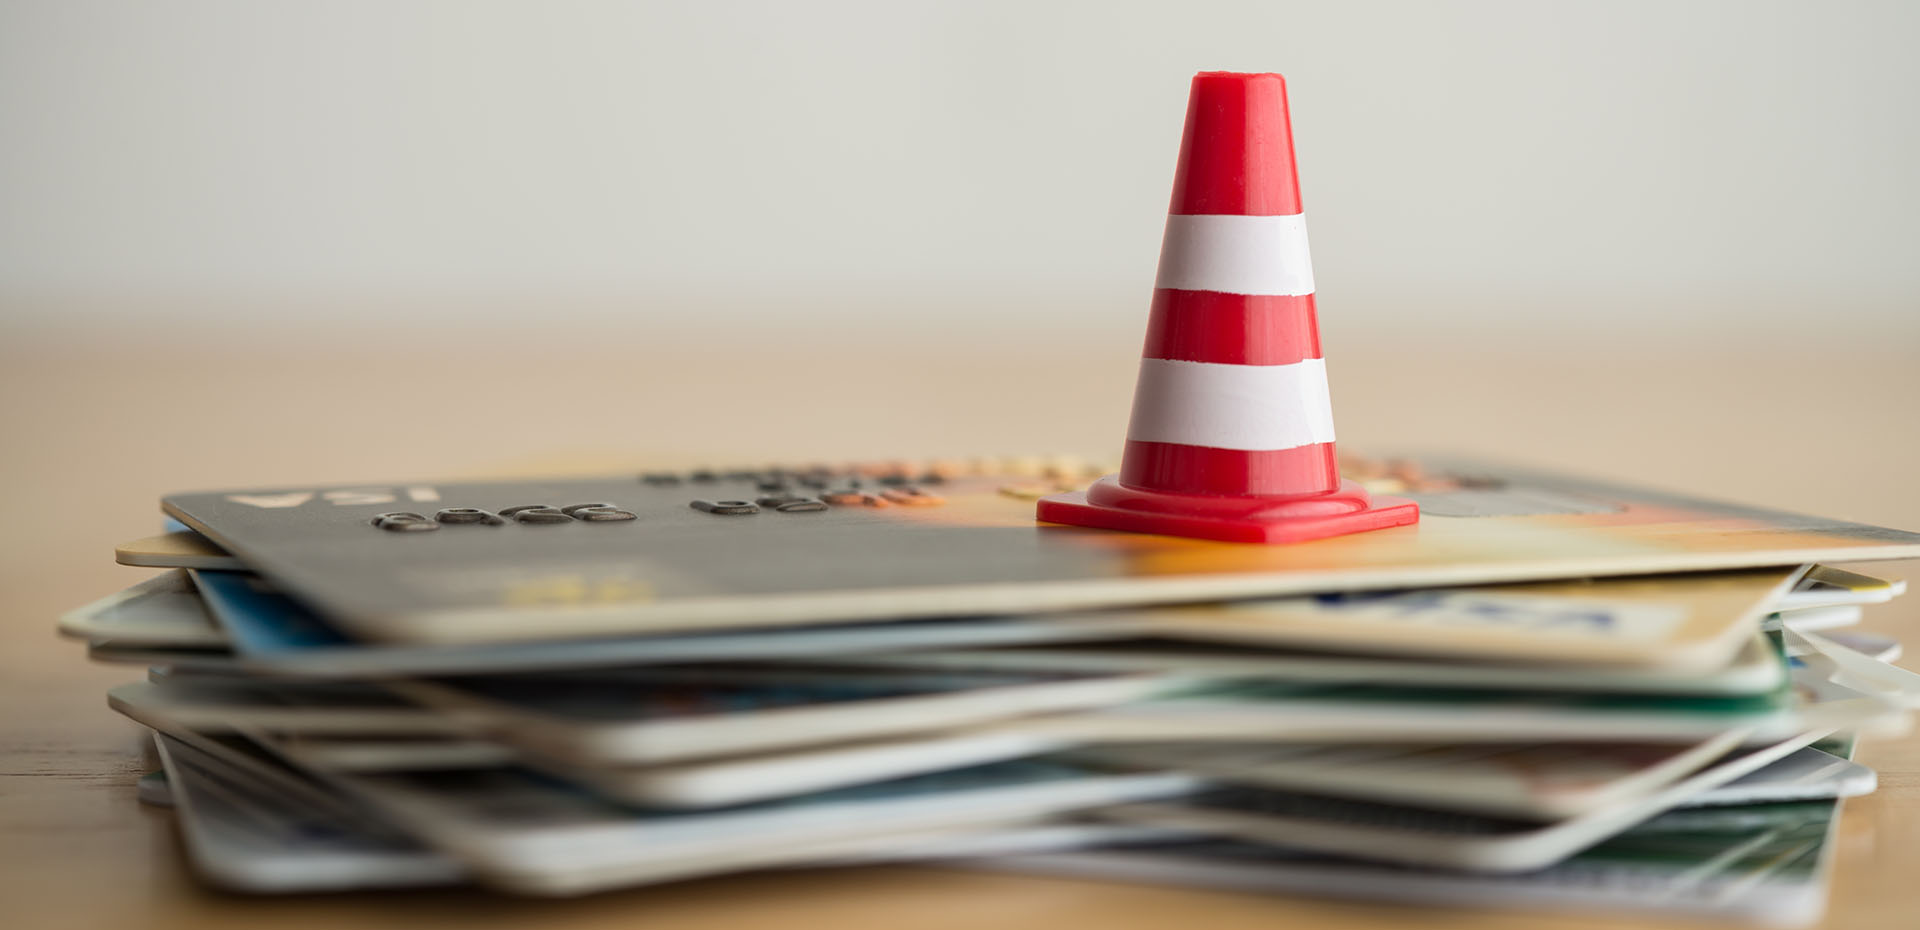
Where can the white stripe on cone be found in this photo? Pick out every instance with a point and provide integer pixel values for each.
(1261, 255)
(1246, 407)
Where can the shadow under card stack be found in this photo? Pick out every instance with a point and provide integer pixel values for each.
(1239, 662)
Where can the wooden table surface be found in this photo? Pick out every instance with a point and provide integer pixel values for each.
(94, 434)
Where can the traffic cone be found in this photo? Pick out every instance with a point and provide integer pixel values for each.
(1232, 430)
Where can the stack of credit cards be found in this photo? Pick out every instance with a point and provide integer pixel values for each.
(1551, 692)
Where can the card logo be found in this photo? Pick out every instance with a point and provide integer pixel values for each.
(343, 497)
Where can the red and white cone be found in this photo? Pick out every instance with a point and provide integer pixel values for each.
(1232, 430)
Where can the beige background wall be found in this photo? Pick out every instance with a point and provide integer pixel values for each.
(1482, 166)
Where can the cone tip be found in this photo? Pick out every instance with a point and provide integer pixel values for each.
(1236, 152)
(1240, 77)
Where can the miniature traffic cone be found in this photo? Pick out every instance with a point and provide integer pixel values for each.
(1232, 430)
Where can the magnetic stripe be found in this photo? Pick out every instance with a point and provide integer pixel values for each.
(1252, 407)
(1236, 254)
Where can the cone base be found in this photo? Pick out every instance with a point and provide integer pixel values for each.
(1112, 506)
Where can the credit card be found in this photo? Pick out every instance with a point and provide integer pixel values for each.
(268, 634)
(1808, 774)
(1527, 781)
(717, 782)
(523, 832)
(707, 551)
(163, 611)
(1310, 713)
(1832, 586)
(652, 715)
(1756, 669)
(1766, 864)
(244, 837)
(1684, 623)
(632, 717)
(228, 705)
(1432, 839)
(181, 548)
(1830, 617)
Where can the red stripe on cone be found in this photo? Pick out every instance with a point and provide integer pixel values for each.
(1231, 329)
(1230, 472)
(1236, 155)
